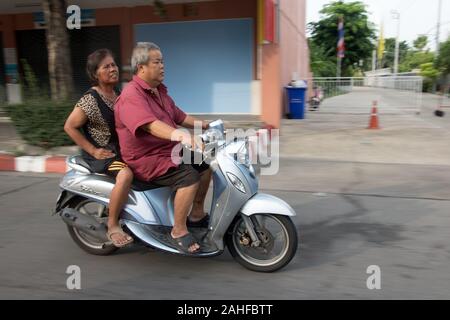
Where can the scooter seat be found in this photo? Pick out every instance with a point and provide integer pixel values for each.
(137, 185)
(80, 161)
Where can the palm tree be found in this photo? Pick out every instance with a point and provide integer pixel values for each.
(59, 61)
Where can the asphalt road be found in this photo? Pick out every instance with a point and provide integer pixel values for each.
(350, 216)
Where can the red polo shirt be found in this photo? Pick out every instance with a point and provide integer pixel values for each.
(148, 156)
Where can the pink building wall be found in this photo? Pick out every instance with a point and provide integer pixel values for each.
(271, 92)
(293, 43)
(281, 60)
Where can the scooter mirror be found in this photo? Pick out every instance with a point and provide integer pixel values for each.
(217, 125)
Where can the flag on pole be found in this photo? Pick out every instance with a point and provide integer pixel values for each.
(341, 43)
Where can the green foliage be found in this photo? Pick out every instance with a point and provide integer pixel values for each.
(30, 86)
(321, 65)
(2, 95)
(31, 90)
(420, 43)
(443, 60)
(414, 60)
(41, 123)
(389, 56)
(430, 74)
(417, 57)
(359, 33)
(428, 70)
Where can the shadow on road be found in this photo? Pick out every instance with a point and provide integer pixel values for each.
(325, 242)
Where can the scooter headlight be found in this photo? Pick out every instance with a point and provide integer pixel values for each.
(237, 183)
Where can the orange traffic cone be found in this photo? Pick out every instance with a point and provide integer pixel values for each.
(373, 123)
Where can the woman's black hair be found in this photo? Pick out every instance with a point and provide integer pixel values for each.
(93, 62)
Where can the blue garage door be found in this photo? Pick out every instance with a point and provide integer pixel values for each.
(208, 64)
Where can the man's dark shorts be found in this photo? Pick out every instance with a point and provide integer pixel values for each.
(182, 176)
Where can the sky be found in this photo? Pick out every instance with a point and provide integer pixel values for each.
(416, 17)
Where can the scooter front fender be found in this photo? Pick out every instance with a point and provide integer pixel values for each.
(266, 203)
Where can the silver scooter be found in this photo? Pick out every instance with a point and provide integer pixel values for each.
(256, 227)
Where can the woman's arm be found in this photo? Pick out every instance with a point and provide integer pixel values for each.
(74, 122)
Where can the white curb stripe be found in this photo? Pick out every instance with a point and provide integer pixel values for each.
(30, 164)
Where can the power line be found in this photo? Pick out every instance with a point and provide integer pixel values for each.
(407, 7)
(433, 28)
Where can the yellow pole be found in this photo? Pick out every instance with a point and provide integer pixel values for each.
(260, 22)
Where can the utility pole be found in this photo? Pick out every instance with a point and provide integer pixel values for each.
(438, 27)
(338, 67)
(396, 15)
(374, 60)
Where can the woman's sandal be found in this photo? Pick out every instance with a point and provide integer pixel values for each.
(184, 243)
(116, 242)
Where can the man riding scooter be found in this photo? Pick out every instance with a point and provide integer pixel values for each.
(257, 228)
(146, 123)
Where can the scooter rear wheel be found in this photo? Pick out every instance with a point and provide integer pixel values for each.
(278, 237)
(83, 240)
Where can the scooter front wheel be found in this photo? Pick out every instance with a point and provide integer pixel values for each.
(277, 242)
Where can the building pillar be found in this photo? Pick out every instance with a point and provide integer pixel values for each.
(270, 89)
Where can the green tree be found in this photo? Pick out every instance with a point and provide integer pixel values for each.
(359, 33)
(30, 88)
(443, 59)
(417, 57)
(420, 43)
(321, 65)
(59, 58)
(430, 74)
(428, 70)
(389, 56)
(414, 60)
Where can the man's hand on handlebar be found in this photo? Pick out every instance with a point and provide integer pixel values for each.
(193, 142)
(205, 124)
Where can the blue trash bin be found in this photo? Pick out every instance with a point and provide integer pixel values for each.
(296, 100)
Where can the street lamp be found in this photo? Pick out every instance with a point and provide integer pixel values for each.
(396, 16)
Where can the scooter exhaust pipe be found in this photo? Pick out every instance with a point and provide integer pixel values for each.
(84, 223)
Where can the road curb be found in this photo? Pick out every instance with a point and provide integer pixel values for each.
(41, 164)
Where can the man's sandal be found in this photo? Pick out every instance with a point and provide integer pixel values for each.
(184, 243)
(202, 223)
(117, 242)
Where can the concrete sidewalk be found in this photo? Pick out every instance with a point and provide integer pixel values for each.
(340, 133)
(401, 139)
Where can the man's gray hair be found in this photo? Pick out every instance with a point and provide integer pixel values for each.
(140, 54)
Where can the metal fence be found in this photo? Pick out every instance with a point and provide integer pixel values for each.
(413, 84)
(393, 93)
